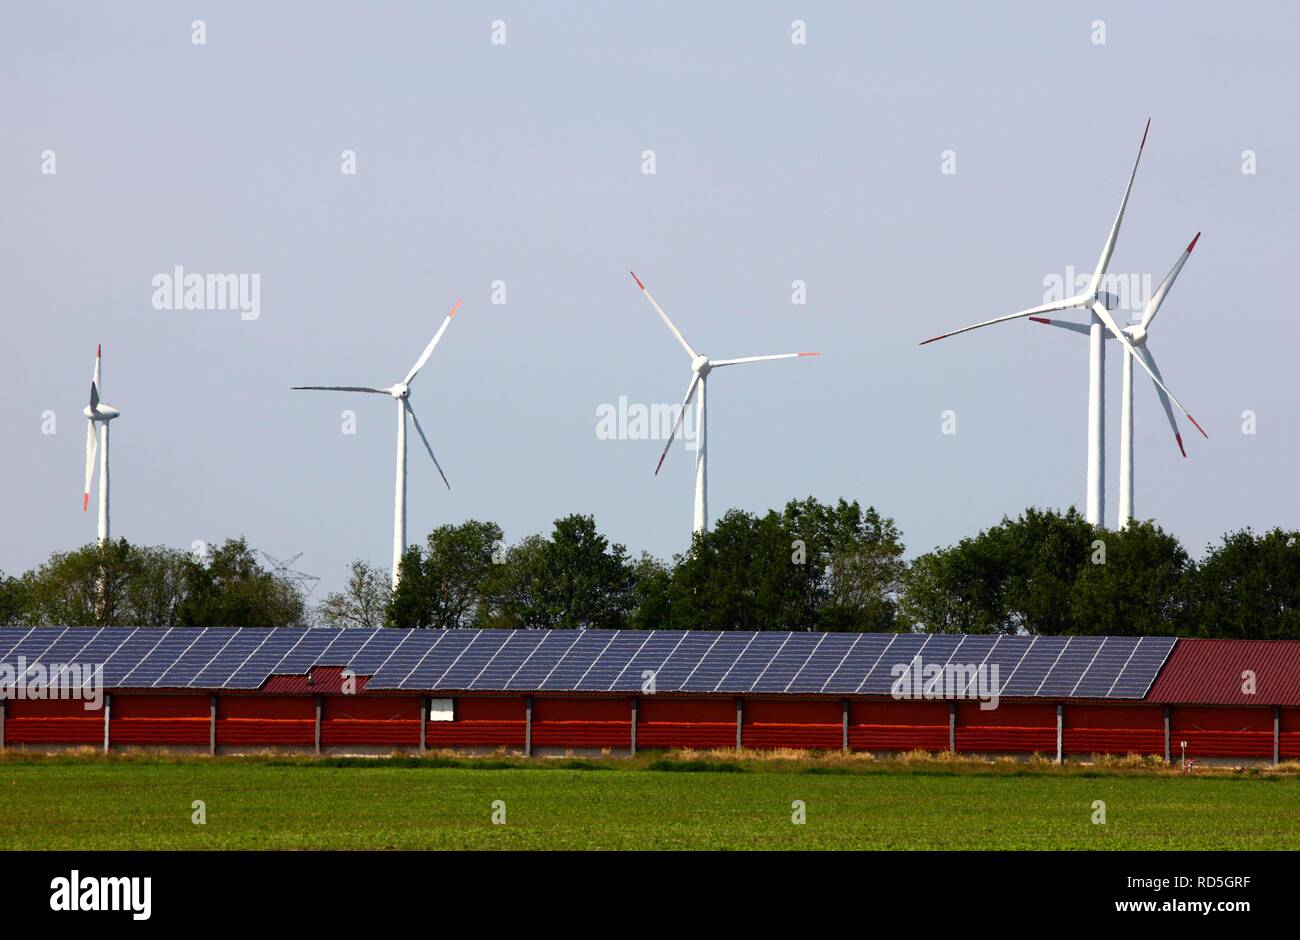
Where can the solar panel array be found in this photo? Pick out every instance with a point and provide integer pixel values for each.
(594, 660)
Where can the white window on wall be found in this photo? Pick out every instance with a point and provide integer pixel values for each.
(442, 709)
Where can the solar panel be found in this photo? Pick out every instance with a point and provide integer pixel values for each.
(254, 671)
(426, 673)
(408, 654)
(1105, 667)
(752, 661)
(1143, 666)
(532, 672)
(858, 662)
(479, 652)
(577, 660)
(901, 652)
(1069, 667)
(611, 663)
(683, 660)
(701, 662)
(519, 645)
(643, 668)
(1034, 666)
(221, 667)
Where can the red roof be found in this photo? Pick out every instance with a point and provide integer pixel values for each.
(322, 680)
(1210, 672)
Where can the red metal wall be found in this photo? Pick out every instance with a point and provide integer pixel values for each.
(677, 722)
(260, 720)
(159, 719)
(898, 726)
(1221, 732)
(251, 720)
(1007, 729)
(795, 724)
(55, 721)
(480, 722)
(349, 719)
(560, 722)
(1113, 729)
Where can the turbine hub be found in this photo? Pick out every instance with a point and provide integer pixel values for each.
(100, 412)
(400, 390)
(1137, 335)
(701, 365)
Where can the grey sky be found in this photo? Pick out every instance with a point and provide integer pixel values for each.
(522, 163)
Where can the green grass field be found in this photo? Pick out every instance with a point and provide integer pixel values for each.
(439, 803)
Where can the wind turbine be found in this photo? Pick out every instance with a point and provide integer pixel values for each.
(701, 366)
(1100, 303)
(1139, 334)
(401, 392)
(99, 412)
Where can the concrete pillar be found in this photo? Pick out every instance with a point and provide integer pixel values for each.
(740, 714)
(108, 711)
(319, 707)
(212, 724)
(528, 727)
(844, 725)
(634, 727)
(424, 722)
(1168, 711)
(952, 727)
(1060, 724)
(1277, 735)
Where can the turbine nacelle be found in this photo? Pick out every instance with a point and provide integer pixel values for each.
(701, 365)
(100, 412)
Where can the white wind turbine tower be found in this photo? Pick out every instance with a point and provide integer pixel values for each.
(401, 392)
(1139, 334)
(99, 412)
(701, 365)
(1100, 303)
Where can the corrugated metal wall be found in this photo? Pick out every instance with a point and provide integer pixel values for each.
(393, 721)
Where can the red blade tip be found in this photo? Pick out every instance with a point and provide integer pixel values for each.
(932, 339)
(1198, 427)
(637, 279)
(1179, 438)
(660, 463)
(810, 354)
(1040, 320)
(85, 501)
(454, 307)
(1144, 135)
(99, 350)
(1193, 244)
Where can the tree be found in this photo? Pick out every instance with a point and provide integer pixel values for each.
(651, 593)
(574, 579)
(12, 600)
(853, 565)
(363, 602)
(1248, 587)
(1140, 589)
(443, 587)
(233, 590)
(1015, 576)
(84, 587)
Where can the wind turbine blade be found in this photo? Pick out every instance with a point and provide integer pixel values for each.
(428, 350)
(690, 393)
(663, 316)
(1067, 304)
(1064, 325)
(419, 430)
(338, 388)
(1153, 305)
(736, 362)
(1109, 248)
(1160, 393)
(1104, 315)
(91, 442)
(94, 380)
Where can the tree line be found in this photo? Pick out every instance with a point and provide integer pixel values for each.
(809, 566)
